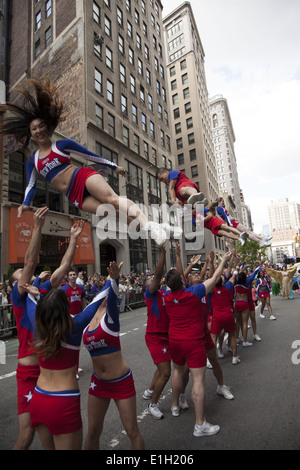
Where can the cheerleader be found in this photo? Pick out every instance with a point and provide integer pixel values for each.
(263, 291)
(37, 119)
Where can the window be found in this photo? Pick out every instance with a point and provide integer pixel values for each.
(126, 136)
(184, 79)
(189, 123)
(175, 98)
(146, 150)
(172, 71)
(191, 138)
(128, 5)
(144, 122)
(122, 74)
(134, 114)
(121, 44)
(138, 41)
(152, 130)
(132, 84)
(97, 47)
(131, 55)
(98, 81)
(99, 115)
(107, 26)
(96, 12)
(181, 159)
(178, 128)
(129, 29)
(194, 170)
(37, 48)
(48, 8)
(176, 113)
(183, 64)
(137, 17)
(48, 37)
(179, 143)
(173, 84)
(111, 124)
(110, 91)
(109, 58)
(136, 143)
(140, 67)
(38, 21)
(124, 105)
(186, 93)
(148, 76)
(193, 154)
(188, 107)
(120, 16)
(150, 103)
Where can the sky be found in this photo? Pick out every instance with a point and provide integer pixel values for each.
(252, 58)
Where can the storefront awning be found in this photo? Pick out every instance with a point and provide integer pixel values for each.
(20, 231)
(84, 253)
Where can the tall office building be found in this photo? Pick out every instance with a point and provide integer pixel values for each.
(224, 139)
(107, 58)
(190, 115)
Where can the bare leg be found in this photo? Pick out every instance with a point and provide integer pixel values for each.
(127, 410)
(25, 434)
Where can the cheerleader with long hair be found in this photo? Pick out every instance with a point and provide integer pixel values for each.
(36, 118)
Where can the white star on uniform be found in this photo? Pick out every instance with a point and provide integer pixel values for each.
(76, 203)
(176, 301)
(164, 350)
(93, 385)
(29, 396)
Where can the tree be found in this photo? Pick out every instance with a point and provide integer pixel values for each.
(252, 251)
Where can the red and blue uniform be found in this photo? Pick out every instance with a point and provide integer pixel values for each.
(75, 296)
(222, 304)
(224, 214)
(182, 182)
(187, 326)
(157, 337)
(105, 340)
(60, 411)
(57, 160)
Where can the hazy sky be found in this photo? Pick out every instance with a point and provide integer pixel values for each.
(252, 58)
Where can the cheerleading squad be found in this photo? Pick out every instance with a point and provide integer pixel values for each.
(185, 320)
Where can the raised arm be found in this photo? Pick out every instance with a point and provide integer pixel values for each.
(155, 283)
(210, 283)
(194, 260)
(30, 188)
(32, 254)
(67, 259)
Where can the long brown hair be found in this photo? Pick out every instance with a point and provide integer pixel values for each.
(40, 100)
(53, 322)
(213, 205)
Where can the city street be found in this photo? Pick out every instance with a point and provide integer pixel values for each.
(264, 415)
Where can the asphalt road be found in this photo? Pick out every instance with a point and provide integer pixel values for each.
(264, 415)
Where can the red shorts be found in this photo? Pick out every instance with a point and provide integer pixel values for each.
(185, 184)
(214, 225)
(234, 223)
(27, 377)
(158, 345)
(263, 295)
(209, 344)
(227, 324)
(251, 305)
(192, 352)
(241, 305)
(116, 389)
(58, 411)
(77, 191)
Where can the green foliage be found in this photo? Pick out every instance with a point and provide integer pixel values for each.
(252, 251)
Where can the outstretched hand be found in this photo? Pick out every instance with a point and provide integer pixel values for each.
(120, 170)
(114, 269)
(77, 228)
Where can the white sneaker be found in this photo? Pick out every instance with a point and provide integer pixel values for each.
(246, 344)
(206, 429)
(147, 394)
(198, 197)
(244, 235)
(182, 402)
(242, 241)
(257, 338)
(272, 317)
(172, 232)
(220, 353)
(225, 391)
(208, 364)
(261, 315)
(175, 410)
(155, 411)
(158, 235)
(236, 360)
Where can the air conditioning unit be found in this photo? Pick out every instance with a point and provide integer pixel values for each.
(99, 39)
